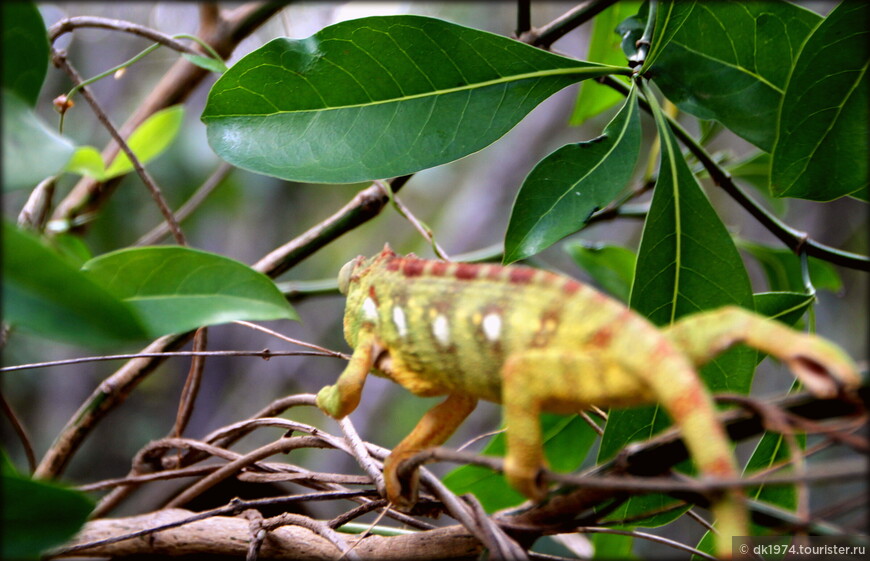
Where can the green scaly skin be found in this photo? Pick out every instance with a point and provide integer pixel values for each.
(539, 342)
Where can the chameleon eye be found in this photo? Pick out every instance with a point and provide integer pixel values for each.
(344, 276)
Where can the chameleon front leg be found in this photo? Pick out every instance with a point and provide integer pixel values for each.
(434, 429)
(822, 366)
(342, 398)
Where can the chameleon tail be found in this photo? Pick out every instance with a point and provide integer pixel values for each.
(822, 367)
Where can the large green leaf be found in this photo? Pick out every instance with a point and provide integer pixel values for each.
(566, 187)
(44, 293)
(822, 142)
(31, 151)
(37, 515)
(378, 97)
(730, 62)
(686, 263)
(25, 50)
(176, 289)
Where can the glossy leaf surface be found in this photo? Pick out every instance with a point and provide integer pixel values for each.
(45, 294)
(822, 146)
(566, 187)
(176, 289)
(25, 50)
(730, 62)
(378, 97)
(37, 515)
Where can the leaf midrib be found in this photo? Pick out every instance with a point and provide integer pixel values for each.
(580, 70)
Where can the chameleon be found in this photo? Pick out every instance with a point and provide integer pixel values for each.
(536, 341)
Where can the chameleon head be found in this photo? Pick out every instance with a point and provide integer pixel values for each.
(361, 305)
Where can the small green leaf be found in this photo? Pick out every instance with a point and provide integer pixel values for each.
(783, 269)
(176, 289)
(31, 151)
(822, 141)
(379, 97)
(611, 266)
(566, 187)
(44, 293)
(206, 62)
(36, 516)
(25, 51)
(730, 61)
(87, 161)
(149, 139)
(594, 98)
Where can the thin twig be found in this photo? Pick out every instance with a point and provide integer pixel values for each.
(283, 337)
(524, 17)
(61, 61)
(282, 446)
(418, 224)
(185, 210)
(20, 431)
(645, 536)
(360, 453)
(265, 354)
(545, 36)
(191, 384)
(67, 25)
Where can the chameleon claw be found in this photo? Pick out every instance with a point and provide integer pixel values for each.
(404, 497)
(526, 481)
(329, 401)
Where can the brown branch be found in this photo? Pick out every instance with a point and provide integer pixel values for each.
(20, 431)
(191, 384)
(223, 535)
(67, 25)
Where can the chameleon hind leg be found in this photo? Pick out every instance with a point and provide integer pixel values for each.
(565, 381)
(822, 366)
(434, 429)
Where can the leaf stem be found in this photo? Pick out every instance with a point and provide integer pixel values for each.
(793, 239)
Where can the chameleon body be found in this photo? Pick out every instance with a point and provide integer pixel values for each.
(538, 342)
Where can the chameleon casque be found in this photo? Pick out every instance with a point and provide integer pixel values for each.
(535, 342)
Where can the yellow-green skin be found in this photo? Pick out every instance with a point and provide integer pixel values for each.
(540, 342)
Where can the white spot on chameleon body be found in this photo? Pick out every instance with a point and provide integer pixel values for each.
(370, 310)
(441, 330)
(399, 321)
(492, 326)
